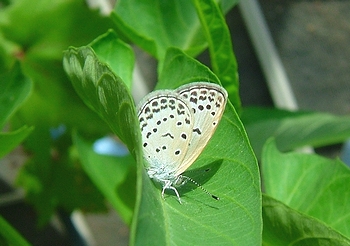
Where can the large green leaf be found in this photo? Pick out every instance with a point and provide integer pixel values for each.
(227, 168)
(163, 24)
(223, 60)
(311, 184)
(157, 25)
(186, 25)
(294, 129)
(286, 226)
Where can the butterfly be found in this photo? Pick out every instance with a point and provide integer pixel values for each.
(176, 125)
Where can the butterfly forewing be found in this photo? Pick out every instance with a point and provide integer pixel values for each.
(207, 102)
(166, 123)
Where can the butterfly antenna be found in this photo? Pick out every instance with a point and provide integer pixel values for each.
(203, 189)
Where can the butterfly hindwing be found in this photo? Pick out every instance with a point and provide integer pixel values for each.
(207, 102)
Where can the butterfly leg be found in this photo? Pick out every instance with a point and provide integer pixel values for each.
(177, 193)
(169, 186)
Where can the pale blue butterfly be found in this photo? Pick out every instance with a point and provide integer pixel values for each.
(176, 125)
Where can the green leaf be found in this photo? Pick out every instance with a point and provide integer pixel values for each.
(105, 93)
(176, 24)
(9, 236)
(285, 226)
(223, 60)
(164, 24)
(14, 90)
(227, 168)
(294, 129)
(118, 55)
(311, 184)
(9, 140)
(114, 176)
